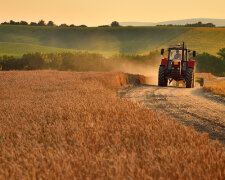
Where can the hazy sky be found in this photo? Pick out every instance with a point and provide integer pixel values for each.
(99, 12)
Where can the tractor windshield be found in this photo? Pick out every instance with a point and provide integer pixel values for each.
(176, 54)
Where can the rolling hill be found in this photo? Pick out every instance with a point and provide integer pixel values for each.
(17, 40)
(203, 39)
(217, 22)
(17, 49)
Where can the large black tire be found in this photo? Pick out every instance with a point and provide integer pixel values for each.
(190, 78)
(162, 81)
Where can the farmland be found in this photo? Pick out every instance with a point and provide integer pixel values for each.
(217, 87)
(208, 40)
(67, 124)
(107, 40)
(15, 49)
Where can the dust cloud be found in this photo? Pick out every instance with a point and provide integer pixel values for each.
(149, 69)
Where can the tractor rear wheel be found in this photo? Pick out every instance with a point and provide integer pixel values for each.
(162, 81)
(189, 78)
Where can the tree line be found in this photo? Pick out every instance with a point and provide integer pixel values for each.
(80, 61)
(84, 61)
(51, 23)
(212, 64)
(73, 61)
(198, 24)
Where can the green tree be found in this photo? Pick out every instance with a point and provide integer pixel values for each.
(115, 24)
(5, 23)
(68, 61)
(210, 64)
(33, 24)
(83, 25)
(221, 53)
(10, 63)
(23, 23)
(50, 23)
(63, 25)
(12, 22)
(41, 23)
(33, 61)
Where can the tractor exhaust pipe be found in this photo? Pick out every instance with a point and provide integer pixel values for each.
(183, 53)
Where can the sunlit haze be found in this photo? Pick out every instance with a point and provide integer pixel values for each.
(100, 12)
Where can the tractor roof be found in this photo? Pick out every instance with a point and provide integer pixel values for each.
(178, 48)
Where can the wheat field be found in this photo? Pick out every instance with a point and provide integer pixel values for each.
(217, 87)
(69, 125)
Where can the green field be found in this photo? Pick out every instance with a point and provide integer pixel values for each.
(203, 39)
(18, 49)
(17, 40)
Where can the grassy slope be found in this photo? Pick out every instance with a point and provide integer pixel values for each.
(17, 49)
(203, 39)
(108, 40)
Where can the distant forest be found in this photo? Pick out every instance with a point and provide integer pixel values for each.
(113, 24)
(51, 23)
(198, 24)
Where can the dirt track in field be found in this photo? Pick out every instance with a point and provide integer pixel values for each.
(191, 107)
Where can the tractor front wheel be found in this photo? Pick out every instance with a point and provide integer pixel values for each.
(162, 81)
(189, 78)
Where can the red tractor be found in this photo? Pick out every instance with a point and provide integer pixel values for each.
(178, 66)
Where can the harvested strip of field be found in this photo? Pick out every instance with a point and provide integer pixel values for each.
(66, 124)
(206, 76)
(217, 87)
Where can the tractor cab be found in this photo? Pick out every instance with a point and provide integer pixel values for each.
(179, 53)
(177, 60)
(178, 66)
(176, 54)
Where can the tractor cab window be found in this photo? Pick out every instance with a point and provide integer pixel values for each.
(176, 54)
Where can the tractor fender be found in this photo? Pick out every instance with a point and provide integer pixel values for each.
(191, 64)
(164, 62)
